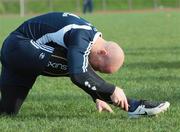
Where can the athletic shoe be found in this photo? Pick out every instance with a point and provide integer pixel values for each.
(148, 108)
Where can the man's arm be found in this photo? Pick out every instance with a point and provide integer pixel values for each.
(79, 46)
(94, 85)
(99, 90)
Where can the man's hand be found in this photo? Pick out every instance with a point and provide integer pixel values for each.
(103, 106)
(119, 99)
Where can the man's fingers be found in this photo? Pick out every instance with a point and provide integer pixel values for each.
(108, 108)
(99, 108)
(103, 106)
(126, 105)
(119, 99)
(116, 101)
(122, 104)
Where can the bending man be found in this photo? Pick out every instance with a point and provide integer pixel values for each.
(63, 44)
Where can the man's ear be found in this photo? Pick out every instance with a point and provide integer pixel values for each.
(103, 52)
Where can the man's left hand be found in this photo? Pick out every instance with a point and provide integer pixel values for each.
(103, 106)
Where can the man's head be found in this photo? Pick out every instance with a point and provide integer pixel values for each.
(106, 56)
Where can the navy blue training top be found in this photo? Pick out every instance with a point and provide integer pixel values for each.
(75, 35)
(64, 29)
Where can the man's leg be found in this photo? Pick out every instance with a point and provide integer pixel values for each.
(22, 61)
(90, 5)
(85, 6)
(12, 99)
(14, 89)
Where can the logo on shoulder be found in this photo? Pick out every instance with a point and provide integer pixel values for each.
(95, 29)
(66, 14)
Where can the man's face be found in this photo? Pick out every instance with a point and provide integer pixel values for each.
(108, 69)
(103, 67)
(104, 63)
(97, 65)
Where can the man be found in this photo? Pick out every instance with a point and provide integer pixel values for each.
(87, 5)
(63, 44)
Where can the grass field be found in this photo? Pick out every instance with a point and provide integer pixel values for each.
(151, 71)
(12, 6)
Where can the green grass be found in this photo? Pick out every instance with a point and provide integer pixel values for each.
(40, 6)
(151, 71)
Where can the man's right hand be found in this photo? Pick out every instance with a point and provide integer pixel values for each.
(119, 99)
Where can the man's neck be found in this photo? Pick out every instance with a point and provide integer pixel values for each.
(98, 44)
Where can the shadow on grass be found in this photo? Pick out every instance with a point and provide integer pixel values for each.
(69, 107)
(75, 114)
(44, 97)
(172, 95)
(155, 78)
(53, 116)
(79, 115)
(135, 53)
(153, 50)
(154, 65)
(145, 78)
